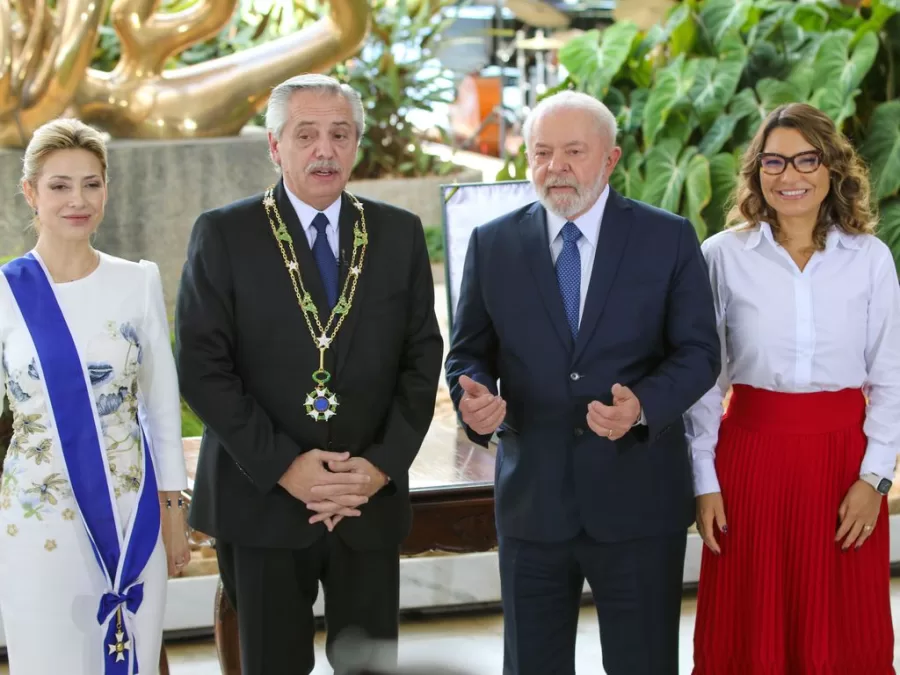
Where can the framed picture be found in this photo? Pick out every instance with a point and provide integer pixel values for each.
(467, 206)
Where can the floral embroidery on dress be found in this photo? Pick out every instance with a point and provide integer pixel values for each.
(34, 485)
(40, 453)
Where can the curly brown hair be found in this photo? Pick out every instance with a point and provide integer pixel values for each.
(847, 204)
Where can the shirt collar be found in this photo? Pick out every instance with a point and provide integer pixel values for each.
(835, 236)
(588, 222)
(306, 213)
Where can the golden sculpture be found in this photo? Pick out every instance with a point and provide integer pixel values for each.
(44, 69)
(43, 57)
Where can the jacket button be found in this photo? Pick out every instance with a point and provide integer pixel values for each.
(578, 431)
(574, 377)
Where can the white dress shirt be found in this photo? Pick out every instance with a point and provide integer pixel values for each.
(833, 326)
(306, 213)
(589, 224)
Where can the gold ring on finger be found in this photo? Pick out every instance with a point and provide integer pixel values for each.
(867, 527)
(609, 433)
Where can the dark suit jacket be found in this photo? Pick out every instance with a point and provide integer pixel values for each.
(245, 358)
(648, 323)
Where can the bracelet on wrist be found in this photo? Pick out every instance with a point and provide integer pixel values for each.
(181, 505)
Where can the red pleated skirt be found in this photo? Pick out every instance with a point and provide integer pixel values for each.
(783, 598)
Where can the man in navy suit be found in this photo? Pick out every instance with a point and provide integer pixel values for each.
(595, 314)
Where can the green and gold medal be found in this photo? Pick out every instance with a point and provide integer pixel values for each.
(321, 404)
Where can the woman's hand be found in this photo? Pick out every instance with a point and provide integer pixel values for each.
(858, 514)
(174, 532)
(711, 514)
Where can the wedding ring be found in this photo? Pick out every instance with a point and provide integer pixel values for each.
(609, 434)
(867, 527)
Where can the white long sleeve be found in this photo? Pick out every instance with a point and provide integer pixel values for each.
(835, 325)
(158, 385)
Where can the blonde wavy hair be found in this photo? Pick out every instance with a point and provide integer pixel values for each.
(848, 203)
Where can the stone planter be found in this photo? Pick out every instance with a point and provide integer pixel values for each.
(420, 195)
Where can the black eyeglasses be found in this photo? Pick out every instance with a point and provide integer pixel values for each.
(774, 164)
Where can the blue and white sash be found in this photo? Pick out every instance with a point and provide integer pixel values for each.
(72, 408)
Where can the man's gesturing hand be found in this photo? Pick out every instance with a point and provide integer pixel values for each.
(615, 421)
(481, 411)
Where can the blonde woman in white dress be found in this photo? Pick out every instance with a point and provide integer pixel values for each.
(90, 516)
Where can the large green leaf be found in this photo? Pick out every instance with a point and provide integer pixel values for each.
(744, 104)
(889, 227)
(723, 170)
(627, 178)
(881, 149)
(665, 175)
(834, 103)
(715, 86)
(718, 135)
(810, 17)
(697, 192)
(681, 28)
(721, 17)
(680, 125)
(837, 67)
(773, 93)
(672, 85)
(631, 117)
(803, 78)
(593, 61)
(615, 101)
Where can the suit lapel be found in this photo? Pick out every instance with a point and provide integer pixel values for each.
(614, 231)
(348, 219)
(537, 256)
(309, 271)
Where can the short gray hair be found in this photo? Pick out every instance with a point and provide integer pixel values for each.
(280, 99)
(606, 121)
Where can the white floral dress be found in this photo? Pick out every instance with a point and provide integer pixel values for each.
(50, 582)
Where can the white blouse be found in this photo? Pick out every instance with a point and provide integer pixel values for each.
(833, 326)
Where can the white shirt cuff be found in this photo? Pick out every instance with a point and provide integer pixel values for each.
(705, 479)
(880, 460)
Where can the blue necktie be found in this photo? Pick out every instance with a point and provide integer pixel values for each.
(325, 260)
(568, 274)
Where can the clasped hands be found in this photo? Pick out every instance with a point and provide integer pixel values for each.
(483, 412)
(332, 484)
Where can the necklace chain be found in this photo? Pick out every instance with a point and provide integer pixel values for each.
(322, 336)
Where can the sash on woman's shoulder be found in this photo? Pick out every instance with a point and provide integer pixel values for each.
(72, 408)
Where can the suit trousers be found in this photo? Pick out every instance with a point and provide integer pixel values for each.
(273, 591)
(636, 586)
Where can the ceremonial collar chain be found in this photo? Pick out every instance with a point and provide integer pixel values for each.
(320, 403)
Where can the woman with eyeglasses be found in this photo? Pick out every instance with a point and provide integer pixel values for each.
(791, 481)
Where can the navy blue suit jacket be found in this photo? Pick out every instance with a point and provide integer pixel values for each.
(648, 323)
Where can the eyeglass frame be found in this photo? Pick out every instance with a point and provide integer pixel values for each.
(789, 161)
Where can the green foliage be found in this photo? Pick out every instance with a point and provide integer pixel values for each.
(690, 93)
(190, 423)
(434, 240)
(394, 72)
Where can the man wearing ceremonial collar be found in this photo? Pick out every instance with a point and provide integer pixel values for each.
(308, 344)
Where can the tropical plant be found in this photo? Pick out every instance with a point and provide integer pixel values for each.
(397, 75)
(689, 94)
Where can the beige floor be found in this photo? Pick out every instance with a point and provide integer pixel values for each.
(471, 640)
